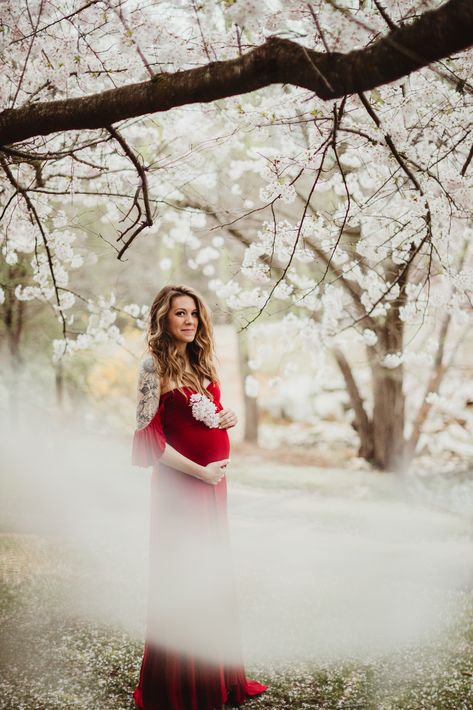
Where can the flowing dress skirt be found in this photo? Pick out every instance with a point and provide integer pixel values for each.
(192, 658)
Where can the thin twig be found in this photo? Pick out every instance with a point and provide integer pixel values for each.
(390, 143)
(137, 226)
(467, 162)
(32, 210)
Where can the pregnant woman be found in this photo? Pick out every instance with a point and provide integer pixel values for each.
(192, 656)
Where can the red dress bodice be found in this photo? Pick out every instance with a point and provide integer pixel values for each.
(192, 438)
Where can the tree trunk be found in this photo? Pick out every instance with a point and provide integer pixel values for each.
(250, 403)
(13, 320)
(381, 432)
(59, 384)
(389, 447)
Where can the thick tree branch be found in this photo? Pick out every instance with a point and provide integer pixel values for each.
(432, 36)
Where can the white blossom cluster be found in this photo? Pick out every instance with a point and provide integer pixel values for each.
(100, 328)
(204, 410)
(389, 216)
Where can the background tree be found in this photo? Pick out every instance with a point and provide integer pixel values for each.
(377, 184)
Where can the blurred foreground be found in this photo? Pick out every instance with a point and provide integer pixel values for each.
(355, 588)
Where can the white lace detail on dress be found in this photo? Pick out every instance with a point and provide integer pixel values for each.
(148, 393)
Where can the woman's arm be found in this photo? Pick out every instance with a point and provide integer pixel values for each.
(212, 473)
(149, 442)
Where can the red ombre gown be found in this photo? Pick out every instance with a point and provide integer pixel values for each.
(185, 514)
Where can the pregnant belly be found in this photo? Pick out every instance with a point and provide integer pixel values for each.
(201, 444)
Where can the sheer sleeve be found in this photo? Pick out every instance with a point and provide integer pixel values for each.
(149, 439)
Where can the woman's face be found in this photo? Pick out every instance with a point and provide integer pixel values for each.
(183, 319)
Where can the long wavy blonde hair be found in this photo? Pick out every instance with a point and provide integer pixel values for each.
(169, 363)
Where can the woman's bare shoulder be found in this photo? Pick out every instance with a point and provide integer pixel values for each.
(147, 363)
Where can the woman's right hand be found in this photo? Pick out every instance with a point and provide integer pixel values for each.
(214, 471)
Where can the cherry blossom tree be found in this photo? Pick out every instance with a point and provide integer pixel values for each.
(360, 162)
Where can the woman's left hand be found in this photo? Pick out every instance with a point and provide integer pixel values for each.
(228, 418)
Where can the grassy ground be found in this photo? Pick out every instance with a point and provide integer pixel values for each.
(50, 659)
